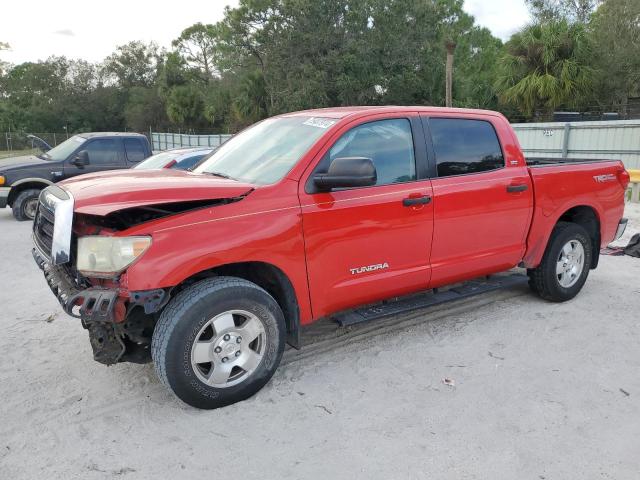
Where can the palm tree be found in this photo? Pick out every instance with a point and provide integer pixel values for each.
(251, 101)
(544, 67)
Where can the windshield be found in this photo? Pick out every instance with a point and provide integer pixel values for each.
(66, 148)
(157, 161)
(265, 152)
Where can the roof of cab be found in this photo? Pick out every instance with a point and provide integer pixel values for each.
(110, 134)
(342, 112)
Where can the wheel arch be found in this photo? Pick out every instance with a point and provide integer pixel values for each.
(587, 217)
(265, 275)
(25, 184)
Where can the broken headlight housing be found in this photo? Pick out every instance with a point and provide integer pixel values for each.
(102, 256)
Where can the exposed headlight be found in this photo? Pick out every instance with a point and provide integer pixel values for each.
(2, 180)
(100, 256)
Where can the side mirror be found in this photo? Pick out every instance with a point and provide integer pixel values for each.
(347, 172)
(81, 159)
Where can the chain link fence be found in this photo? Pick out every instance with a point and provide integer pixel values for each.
(21, 143)
(166, 140)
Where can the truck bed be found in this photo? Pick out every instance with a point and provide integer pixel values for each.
(545, 161)
(564, 184)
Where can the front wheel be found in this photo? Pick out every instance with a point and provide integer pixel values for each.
(565, 264)
(26, 204)
(218, 342)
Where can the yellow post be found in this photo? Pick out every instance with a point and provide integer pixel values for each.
(635, 185)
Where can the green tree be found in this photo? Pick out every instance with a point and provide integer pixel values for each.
(250, 103)
(134, 64)
(50, 95)
(34, 93)
(553, 10)
(616, 37)
(218, 105)
(198, 46)
(185, 106)
(315, 53)
(545, 66)
(145, 108)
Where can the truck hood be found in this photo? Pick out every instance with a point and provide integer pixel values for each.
(107, 192)
(23, 161)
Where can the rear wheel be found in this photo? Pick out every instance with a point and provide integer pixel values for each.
(26, 204)
(565, 265)
(218, 342)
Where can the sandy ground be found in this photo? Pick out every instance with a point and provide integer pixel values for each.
(542, 391)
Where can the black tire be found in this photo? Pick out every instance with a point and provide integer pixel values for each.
(544, 281)
(188, 313)
(532, 281)
(20, 209)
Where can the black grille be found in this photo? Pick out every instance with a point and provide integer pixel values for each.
(43, 229)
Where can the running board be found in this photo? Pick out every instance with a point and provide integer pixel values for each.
(428, 299)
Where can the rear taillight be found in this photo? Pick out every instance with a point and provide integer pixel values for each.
(171, 163)
(624, 178)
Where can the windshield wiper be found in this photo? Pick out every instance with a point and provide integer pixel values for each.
(221, 175)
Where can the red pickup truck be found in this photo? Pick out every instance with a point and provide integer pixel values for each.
(301, 216)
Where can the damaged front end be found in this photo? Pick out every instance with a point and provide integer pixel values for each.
(80, 246)
(120, 322)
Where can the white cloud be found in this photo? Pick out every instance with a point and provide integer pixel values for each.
(502, 17)
(65, 31)
(92, 30)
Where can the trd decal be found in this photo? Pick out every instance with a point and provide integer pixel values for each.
(604, 178)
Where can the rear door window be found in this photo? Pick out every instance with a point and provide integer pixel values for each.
(103, 151)
(135, 149)
(465, 146)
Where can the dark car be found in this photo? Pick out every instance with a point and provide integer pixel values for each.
(22, 178)
(178, 158)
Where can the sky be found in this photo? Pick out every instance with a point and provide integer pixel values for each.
(77, 29)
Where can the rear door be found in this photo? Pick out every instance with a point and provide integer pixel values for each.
(135, 151)
(369, 243)
(483, 198)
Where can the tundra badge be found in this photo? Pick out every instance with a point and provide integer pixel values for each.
(369, 268)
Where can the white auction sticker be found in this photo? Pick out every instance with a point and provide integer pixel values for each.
(319, 122)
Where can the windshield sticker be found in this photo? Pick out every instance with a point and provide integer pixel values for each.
(319, 122)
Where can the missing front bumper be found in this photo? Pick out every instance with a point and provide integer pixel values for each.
(118, 331)
(92, 304)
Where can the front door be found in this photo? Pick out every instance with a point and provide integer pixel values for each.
(104, 154)
(370, 243)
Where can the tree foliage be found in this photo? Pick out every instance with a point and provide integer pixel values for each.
(571, 10)
(616, 37)
(271, 56)
(545, 67)
(198, 47)
(134, 64)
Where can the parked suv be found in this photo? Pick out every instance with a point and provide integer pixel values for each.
(22, 178)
